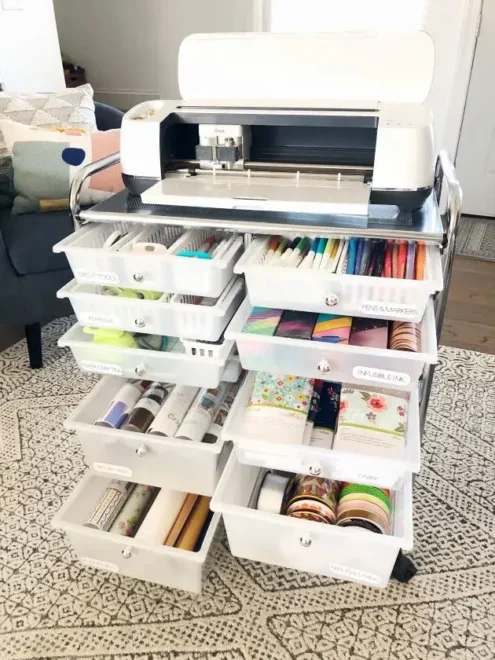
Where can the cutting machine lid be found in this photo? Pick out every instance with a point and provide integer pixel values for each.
(339, 67)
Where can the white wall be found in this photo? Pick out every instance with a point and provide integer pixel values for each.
(129, 47)
(29, 49)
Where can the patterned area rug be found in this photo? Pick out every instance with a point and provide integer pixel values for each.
(476, 238)
(51, 607)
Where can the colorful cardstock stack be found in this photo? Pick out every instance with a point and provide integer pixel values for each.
(262, 321)
(371, 333)
(332, 329)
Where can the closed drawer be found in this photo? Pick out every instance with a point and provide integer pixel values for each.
(194, 467)
(192, 363)
(170, 567)
(173, 315)
(328, 463)
(348, 295)
(119, 265)
(351, 554)
(338, 362)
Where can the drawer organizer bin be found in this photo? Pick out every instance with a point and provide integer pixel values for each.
(338, 362)
(328, 463)
(188, 363)
(347, 295)
(194, 467)
(348, 553)
(117, 265)
(173, 315)
(170, 567)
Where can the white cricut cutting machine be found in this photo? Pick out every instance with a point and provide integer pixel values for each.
(285, 122)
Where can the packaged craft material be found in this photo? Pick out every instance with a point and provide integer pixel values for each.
(405, 336)
(194, 525)
(313, 498)
(296, 325)
(278, 408)
(128, 520)
(121, 405)
(201, 413)
(147, 407)
(173, 411)
(372, 422)
(367, 507)
(313, 411)
(161, 517)
(109, 505)
(372, 333)
(216, 426)
(325, 422)
(110, 337)
(262, 321)
(332, 329)
(181, 519)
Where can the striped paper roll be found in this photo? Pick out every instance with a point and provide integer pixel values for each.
(405, 336)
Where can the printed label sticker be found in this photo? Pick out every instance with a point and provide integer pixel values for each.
(406, 312)
(382, 376)
(100, 565)
(98, 320)
(117, 470)
(102, 368)
(354, 574)
(96, 276)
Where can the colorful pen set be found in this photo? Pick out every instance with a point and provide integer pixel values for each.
(350, 256)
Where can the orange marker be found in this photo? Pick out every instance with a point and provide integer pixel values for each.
(387, 270)
(395, 260)
(401, 270)
(272, 246)
(420, 261)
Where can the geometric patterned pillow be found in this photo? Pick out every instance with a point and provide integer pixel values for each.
(71, 107)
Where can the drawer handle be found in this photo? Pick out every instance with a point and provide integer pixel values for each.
(140, 323)
(141, 451)
(314, 470)
(324, 367)
(305, 540)
(332, 300)
(138, 277)
(127, 553)
(140, 370)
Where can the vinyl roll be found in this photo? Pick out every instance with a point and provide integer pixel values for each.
(272, 492)
(184, 513)
(172, 413)
(194, 525)
(130, 516)
(109, 505)
(156, 527)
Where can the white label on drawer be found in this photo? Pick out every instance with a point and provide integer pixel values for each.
(100, 565)
(354, 574)
(101, 368)
(389, 309)
(381, 376)
(97, 276)
(117, 470)
(89, 318)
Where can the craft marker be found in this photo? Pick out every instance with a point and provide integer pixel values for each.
(333, 256)
(359, 256)
(402, 260)
(322, 242)
(224, 246)
(327, 254)
(352, 253)
(411, 258)
(395, 260)
(387, 271)
(300, 257)
(272, 246)
(309, 258)
(343, 257)
(363, 268)
(279, 251)
(286, 255)
(372, 261)
(420, 261)
(336, 259)
(301, 248)
(380, 258)
(206, 245)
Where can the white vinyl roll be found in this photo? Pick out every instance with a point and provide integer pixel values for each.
(272, 491)
(160, 518)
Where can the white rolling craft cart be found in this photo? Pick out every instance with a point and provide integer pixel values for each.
(230, 476)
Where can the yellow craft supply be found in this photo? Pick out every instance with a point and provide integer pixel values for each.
(111, 337)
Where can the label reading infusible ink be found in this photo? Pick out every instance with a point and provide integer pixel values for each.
(100, 565)
(354, 574)
(96, 277)
(114, 470)
(98, 320)
(382, 376)
(406, 312)
(102, 368)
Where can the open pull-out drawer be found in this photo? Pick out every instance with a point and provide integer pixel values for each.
(347, 553)
(183, 465)
(338, 362)
(347, 295)
(170, 567)
(322, 462)
(188, 363)
(124, 264)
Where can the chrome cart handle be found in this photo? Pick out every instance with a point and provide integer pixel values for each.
(80, 178)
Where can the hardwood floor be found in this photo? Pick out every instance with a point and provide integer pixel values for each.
(470, 316)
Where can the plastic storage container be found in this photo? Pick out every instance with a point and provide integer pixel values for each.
(118, 265)
(170, 567)
(347, 295)
(303, 459)
(338, 362)
(350, 553)
(188, 363)
(194, 467)
(173, 315)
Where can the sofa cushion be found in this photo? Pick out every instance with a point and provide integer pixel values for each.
(29, 240)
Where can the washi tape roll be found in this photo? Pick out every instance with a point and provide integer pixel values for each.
(365, 497)
(344, 509)
(272, 492)
(382, 493)
(310, 515)
(317, 488)
(295, 509)
(355, 523)
(361, 514)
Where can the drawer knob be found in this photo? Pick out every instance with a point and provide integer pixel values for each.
(324, 367)
(332, 300)
(314, 470)
(140, 323)
(140, 370)
(141, 451)
(305, 540)
(127, 553)
(138, 277)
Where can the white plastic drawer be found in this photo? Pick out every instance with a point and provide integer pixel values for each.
(351, 554)
(117, 265)
(181, 365)
(328, 463)
(348, 295)
(173, 315)
(338, 362)
(194, 467)
(170, 567)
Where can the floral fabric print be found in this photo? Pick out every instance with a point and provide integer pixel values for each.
(291, 393)
(373, 409)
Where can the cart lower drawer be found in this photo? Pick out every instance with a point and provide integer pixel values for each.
(170, 567)
(350, 553)
(337, 362)
(183, 465)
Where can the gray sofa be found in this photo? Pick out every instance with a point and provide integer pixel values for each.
(30, 273)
